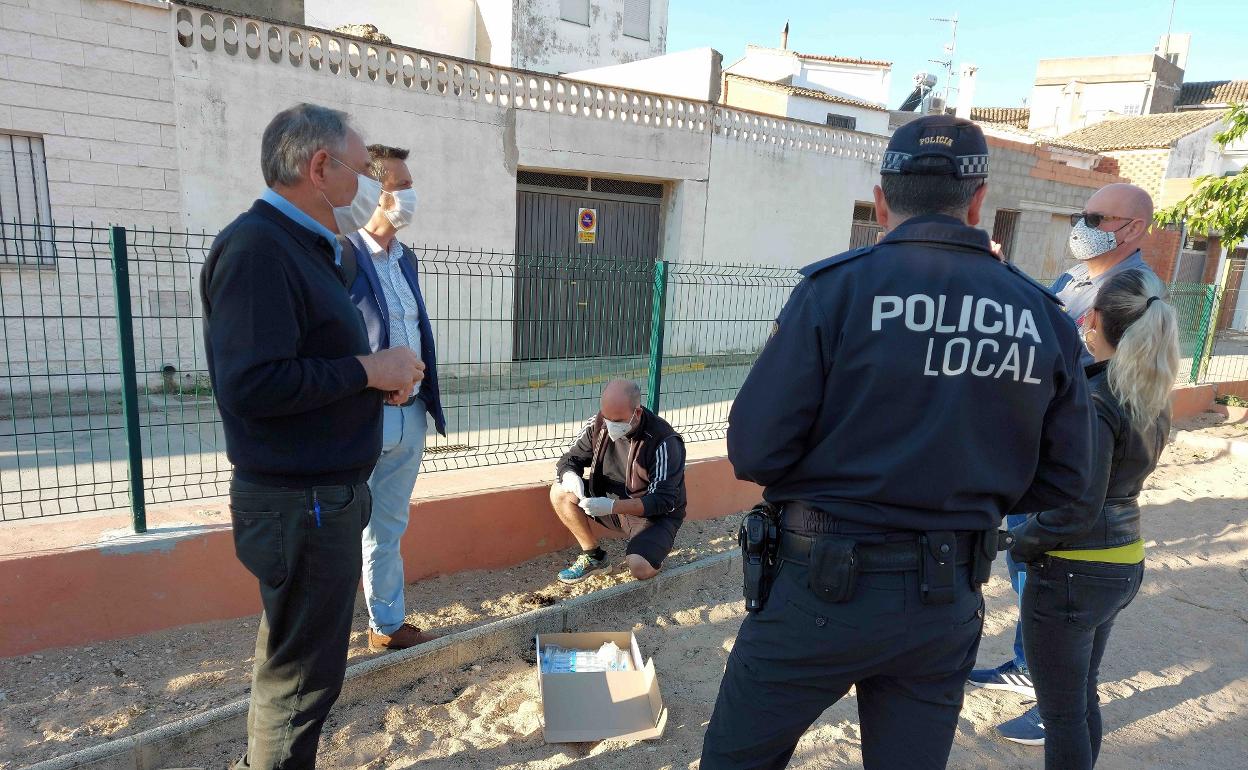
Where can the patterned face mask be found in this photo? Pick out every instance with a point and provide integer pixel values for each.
(1088, 242)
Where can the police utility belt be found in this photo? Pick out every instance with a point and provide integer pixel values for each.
(834, 562)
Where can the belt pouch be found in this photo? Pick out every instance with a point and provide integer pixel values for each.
(833, 568)
(985, 553)
(938, 564)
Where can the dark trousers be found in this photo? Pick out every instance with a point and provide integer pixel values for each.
(308, 572)
(801, 654)
(1068, 610)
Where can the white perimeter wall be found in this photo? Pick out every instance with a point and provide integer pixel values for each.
(739, 187)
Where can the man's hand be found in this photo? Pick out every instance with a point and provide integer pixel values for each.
(572, 482)
(997, 250)
(393, 370)
(597, 506)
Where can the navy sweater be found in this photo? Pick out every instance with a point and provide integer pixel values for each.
(281, 335)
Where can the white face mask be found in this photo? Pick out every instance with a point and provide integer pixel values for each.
(356, 214)
(618, 430)
(404, 209)
(1088, 242)
(367, 196)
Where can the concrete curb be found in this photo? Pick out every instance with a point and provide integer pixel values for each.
(1235, 448)
(177, 744)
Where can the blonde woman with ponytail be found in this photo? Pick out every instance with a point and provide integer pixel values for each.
(1085, 561)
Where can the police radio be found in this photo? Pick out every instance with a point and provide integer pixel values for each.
(759, 538)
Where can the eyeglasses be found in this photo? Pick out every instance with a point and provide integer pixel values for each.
(347, 166)
(1093, 220)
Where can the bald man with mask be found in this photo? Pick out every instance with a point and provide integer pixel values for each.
(635, 486)
(1105, 238)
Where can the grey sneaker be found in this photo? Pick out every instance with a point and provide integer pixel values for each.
(1027, 729)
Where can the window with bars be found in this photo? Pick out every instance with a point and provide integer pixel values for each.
(864, 212)
(1191, 267)
(842, 121)
(25, 211)
(628, 187)
(575, 11)
(560, 181)
(864, 230)
(637, 19)
(1004, 228)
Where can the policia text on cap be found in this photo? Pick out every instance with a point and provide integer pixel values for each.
(911, 394)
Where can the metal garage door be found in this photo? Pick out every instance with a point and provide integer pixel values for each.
(582, 300)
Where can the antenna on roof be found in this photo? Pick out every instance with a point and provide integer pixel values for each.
(1169, 26)
(950, 49)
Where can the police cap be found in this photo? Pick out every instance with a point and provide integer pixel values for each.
(938, 145)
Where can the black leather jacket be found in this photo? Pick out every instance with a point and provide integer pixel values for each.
(1109, 513)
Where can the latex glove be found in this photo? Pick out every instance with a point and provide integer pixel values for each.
(572, 482)
(598, 506)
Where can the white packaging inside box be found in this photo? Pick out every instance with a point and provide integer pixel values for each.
(598, 705)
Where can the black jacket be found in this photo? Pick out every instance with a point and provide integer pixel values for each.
(651, 467)
(281, 337)
(918, 384)
(1109, 514)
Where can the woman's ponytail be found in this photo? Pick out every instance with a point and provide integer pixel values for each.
(1138, 321)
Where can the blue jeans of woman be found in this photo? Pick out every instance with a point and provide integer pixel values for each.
(1068, 610)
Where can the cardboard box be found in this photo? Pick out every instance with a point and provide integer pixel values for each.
(596, 706)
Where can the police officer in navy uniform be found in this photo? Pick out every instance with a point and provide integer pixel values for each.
(911, 394)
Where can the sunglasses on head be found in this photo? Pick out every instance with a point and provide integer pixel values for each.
(1094, 220)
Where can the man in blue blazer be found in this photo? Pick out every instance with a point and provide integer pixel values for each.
(386, 289)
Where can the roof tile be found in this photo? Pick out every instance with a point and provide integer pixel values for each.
(1212, 93)
(1014, 116)
(1143, 132)
(843, 59)
(809, 93)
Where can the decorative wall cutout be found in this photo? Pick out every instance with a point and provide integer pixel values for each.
(414, 70)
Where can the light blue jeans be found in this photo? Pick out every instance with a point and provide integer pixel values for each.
(392, 482)
(1018, 580)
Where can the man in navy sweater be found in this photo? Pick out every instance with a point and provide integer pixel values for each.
(300, 398)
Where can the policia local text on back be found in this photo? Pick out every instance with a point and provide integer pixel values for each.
(911, 394)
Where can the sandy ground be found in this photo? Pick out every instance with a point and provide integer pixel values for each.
(62, 700)
(1175, 682)
(1212, 424)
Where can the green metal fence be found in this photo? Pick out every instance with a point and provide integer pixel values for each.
(1202, 343)
(106, 405)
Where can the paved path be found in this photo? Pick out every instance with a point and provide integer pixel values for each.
(70, 464)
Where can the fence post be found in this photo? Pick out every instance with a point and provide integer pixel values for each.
(1214, 295)
(658, 306)
(129, 379)
(1204, 333)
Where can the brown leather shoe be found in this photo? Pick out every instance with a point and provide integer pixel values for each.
(406, 636)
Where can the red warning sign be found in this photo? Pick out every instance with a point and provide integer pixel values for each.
(586, 225)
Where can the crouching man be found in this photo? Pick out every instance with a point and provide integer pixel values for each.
(635, 486)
